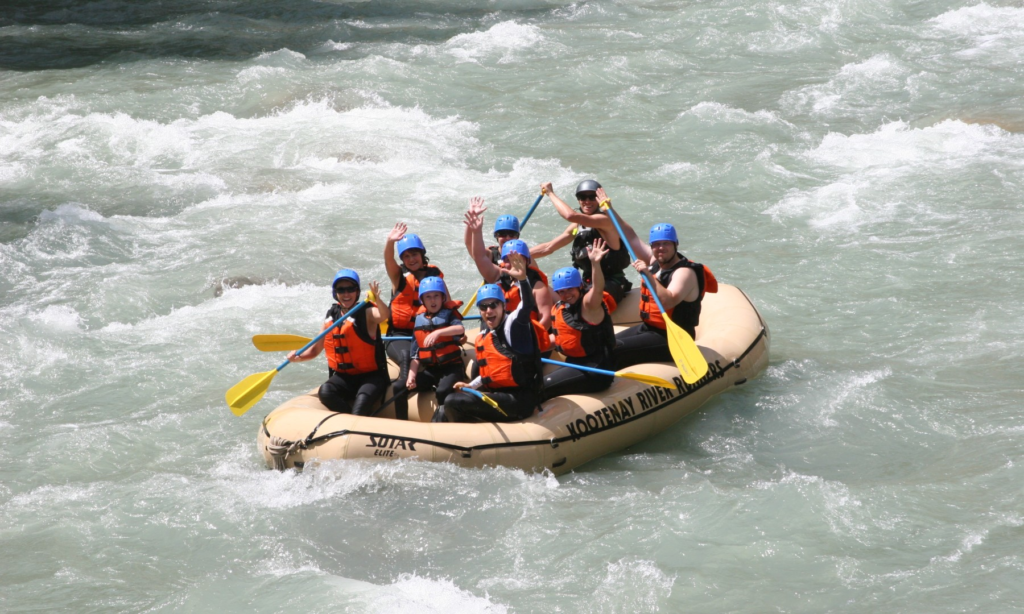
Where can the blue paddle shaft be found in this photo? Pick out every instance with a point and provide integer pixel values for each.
(324, 333)
(632, 255)
(580, 367)
(527, 218)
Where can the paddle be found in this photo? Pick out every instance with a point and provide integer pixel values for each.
(246, 393)
(646, 379)
(284, 343)
(690, 362)
(472, 301)
(486, 399)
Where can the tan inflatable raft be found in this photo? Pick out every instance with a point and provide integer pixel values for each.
(570, 430)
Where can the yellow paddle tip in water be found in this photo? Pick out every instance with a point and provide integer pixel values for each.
(246, 393)
(691, 363)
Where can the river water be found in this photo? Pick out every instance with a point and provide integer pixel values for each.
(176, 177)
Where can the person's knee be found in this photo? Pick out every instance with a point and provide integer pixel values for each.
(332, 399)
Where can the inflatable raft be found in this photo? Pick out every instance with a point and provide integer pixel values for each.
(568, 432)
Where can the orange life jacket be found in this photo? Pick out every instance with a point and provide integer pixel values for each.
(406, 301)
(686, 314)
(349, 348)
(447, 350)
(577, 338)
(511, 288)
(501, 367)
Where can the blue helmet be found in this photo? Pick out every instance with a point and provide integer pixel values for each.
(487, 291)
(410, 242)
(566, 278)
(506, 223)
(515, 245)
(344, 274)
(663, 232)
(433, 284)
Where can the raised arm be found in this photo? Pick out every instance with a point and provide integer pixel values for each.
(390, 262)
(593, 310)
(474, 239)
(552, 246)
(378, 311)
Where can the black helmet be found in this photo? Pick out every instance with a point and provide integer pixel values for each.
(587, 185)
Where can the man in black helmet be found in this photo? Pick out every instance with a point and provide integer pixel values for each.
(585, 225)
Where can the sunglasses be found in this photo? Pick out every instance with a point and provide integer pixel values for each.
(583, 197)
(487, 306)
(506, 234)
(346, 289)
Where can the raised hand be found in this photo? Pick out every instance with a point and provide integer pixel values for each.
(602, 196)
(397, 232)
(597, 250)
(547, 188)
(476, 205)
(375, 290)
(517, 266)
(474, 221)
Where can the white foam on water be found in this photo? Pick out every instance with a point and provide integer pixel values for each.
(982, 20)
(502, 39)
(860, 83)
(422, 595)
(58, 318)
(632, 584)
(875, 168)
(716, 113)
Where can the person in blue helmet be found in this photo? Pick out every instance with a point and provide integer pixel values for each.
(506, 228)
(586, 224)
(436, 352)
(356, 367)
(681, 285)
(405, 302)
(507, 367)
(584, 333)
(498, 273)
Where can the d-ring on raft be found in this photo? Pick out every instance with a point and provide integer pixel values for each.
(568, 432)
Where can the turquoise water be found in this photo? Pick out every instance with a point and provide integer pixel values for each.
(177, 178)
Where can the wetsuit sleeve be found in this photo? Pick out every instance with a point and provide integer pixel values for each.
(518, 327)
(414, 348)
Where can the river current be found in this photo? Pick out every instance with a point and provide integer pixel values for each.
(176, 177)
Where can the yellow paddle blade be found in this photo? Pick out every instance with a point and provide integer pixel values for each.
(648, 379)
(279, 343)
(690, 362)
(246, 393)
(472, 301)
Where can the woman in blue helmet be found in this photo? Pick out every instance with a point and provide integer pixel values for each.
(506, 228)
(680, 284)
(585, 225)
(583, 330)
(436, 353)
(405, 298)
(357, 370)
(507, 366)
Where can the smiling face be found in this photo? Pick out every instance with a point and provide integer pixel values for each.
(569, 295)
(346, 293)
(588, 202)
(412, 259)
(433, 301)
(491, 312)
(664, 251)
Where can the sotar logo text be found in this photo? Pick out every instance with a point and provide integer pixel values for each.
(623, 410)
(386, 446)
